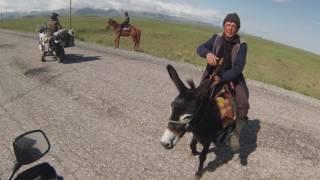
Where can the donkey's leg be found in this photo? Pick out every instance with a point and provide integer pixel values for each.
(193, 145)
(202, 158)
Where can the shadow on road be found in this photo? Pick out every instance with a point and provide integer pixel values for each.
(7, 46)
(36, 71)
(248, 141)
(79, 58)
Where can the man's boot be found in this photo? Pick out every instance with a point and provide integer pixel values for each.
(234, 142)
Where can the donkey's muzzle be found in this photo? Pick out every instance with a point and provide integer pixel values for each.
(167, 145)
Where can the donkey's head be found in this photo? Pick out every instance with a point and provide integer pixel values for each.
(183, 108)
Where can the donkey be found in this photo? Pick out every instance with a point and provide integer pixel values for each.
(194, 111)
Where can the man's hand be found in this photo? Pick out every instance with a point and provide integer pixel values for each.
(212, 59)
(215, 79)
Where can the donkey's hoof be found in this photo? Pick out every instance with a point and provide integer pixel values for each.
(198, 174)
(194, 153)
(243, 161)
(197, 177)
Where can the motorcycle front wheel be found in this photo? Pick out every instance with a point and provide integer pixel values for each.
(60, 53)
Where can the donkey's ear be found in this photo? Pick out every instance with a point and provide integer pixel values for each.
(204, 88)
(191, 84)
(175, 78)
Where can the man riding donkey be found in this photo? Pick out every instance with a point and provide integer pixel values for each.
(226, 58)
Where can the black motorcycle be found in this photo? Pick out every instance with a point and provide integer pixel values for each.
(28, 148)
(54, 45)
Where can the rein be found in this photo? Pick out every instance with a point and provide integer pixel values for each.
(181, 122)
(211, 92)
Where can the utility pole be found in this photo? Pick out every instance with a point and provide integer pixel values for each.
(1, 16)
(70, 16)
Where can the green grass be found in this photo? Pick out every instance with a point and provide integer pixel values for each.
(267, 61)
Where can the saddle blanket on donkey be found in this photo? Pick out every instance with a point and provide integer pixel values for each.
(226, 104)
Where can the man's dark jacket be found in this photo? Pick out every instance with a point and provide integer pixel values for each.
(236, 57)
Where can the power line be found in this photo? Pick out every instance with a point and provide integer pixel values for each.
(70, 16)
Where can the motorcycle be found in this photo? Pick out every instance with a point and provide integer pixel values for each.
(54, 45)
(28, 148)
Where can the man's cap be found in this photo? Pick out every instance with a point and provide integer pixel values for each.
(232, 17)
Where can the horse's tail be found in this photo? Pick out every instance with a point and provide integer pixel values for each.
(138, 35)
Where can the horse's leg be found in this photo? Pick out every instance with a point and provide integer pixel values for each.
(193, 145)
(117, 40)
(202, 158)
(133, 37)
(138, 38)
(135, 45)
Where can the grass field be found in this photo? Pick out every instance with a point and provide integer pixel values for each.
(267, 61)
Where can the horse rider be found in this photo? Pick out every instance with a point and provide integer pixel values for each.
(126, 21)
(53, 24)
(233, 50)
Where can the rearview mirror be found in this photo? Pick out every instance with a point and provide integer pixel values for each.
(31, 146)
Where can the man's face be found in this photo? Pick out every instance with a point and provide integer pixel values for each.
(230, 29)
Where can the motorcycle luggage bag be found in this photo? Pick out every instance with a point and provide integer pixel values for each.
(66, 37)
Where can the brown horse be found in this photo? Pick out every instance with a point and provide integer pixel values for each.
(133, 32)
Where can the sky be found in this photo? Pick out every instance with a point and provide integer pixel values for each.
(291, 22)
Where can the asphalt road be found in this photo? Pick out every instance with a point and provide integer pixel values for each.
(105, 110)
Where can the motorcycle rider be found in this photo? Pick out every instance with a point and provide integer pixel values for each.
(53, 24)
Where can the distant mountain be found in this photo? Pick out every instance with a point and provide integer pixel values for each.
(103, 12)
(96, 12)
(117, 13)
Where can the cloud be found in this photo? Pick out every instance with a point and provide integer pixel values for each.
(178, 8)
